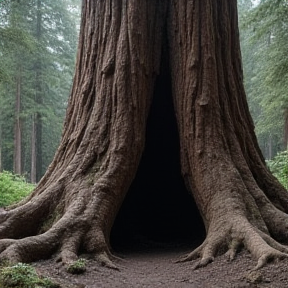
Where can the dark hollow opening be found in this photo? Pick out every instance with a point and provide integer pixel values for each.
(158, 208)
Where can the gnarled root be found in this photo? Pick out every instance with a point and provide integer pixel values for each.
(229, 240)
(44, 245)
(70, 233)
(28, 249)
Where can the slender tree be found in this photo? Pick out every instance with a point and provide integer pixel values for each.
(18, 128)
(0, 148)
(119, 54)
(36, 136)
(286, 128)
(18, 121)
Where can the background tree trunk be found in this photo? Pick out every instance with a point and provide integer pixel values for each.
(18, 128)
(36, 139)
(286, 129)
(1, 148)
(76, 202)
(33, 151)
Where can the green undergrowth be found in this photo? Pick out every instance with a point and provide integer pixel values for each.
(23, 276)
(77, 267)
(13, 188)
(279, 167)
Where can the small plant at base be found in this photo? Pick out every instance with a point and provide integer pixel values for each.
(23, 276)
(77, 267)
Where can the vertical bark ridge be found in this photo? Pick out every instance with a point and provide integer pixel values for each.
(104, 130)
(212, 107)
(104, 134)
(243, 123)
(191, 104)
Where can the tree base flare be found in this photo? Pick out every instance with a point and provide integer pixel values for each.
(262, 247)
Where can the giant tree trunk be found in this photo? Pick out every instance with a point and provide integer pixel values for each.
(77, 200)
(240, 201)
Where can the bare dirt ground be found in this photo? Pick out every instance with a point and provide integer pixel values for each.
(154, 266)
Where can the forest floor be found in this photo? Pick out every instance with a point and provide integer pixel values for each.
(153, 265)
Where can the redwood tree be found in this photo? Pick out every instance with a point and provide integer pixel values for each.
(76, 202)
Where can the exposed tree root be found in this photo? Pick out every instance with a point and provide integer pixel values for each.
(240, 233)
(66, 236)
(44, 245)
(106, 259)
(76, 202)
(28, 249)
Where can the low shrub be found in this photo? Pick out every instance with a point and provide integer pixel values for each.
(279, 167)
(13, 188)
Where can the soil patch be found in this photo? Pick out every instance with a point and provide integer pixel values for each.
(153, 265)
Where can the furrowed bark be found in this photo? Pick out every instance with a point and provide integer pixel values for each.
(77, 200)
(222, 165)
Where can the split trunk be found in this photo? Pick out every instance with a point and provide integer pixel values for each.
(121, 45)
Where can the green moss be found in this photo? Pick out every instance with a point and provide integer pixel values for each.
(77, 267)
(23, 276)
